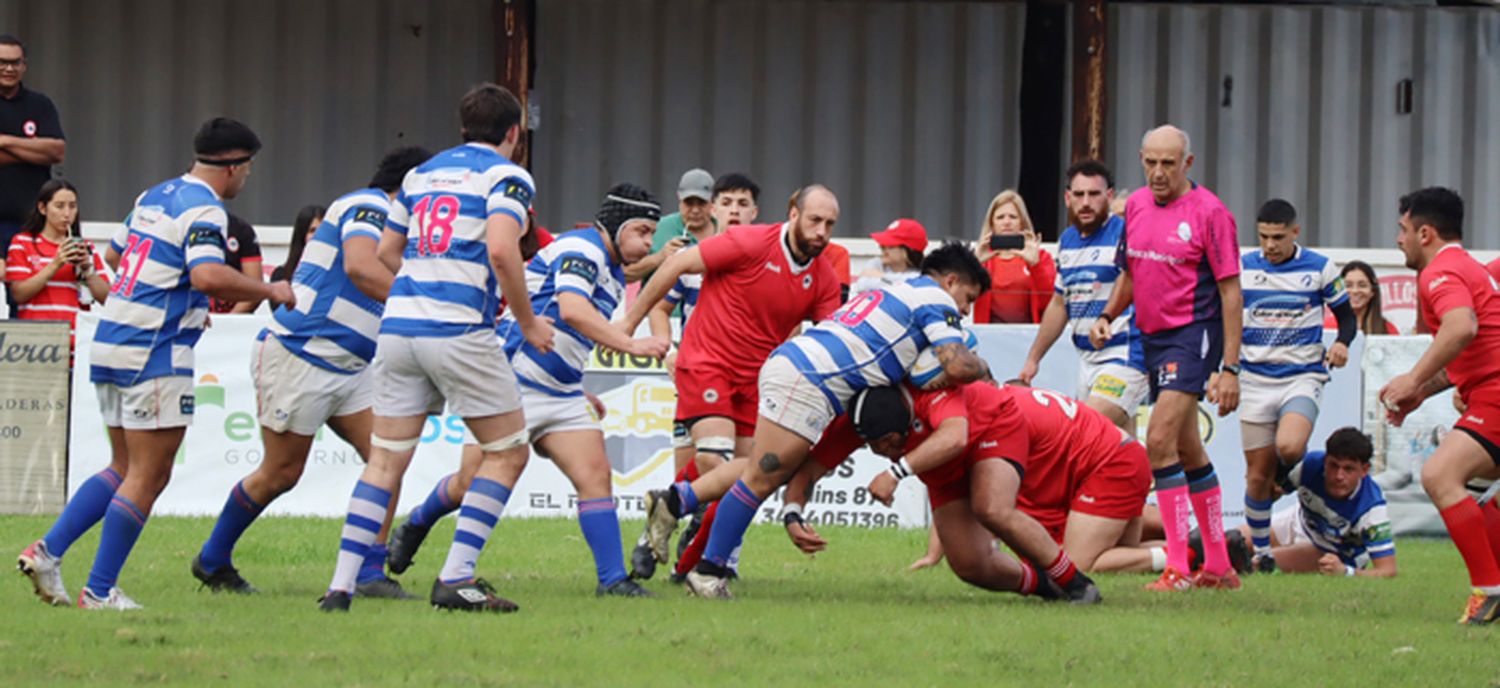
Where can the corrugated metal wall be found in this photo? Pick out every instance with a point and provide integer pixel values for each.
(1311, 115)
(328, 85)
(903, 109)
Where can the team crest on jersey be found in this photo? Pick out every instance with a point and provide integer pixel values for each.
(807, 281)
(1184, 231)
(29, 128)
(711, 395)
(579, 267)
(371, 215)
(517, 190)
(233, 244)
(205, 235)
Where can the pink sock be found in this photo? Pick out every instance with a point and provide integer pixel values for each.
(1173, 503)
(1208, 504)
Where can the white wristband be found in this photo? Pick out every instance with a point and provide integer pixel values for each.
(789, 509)
(1348, 570)
(901, 469)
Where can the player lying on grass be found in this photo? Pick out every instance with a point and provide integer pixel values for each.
(971, 447)
(1339, 526)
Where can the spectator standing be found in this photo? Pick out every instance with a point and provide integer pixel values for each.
(31, 142)
(241, 252)
(306, 224)
(1364, 296)
(51, 270)
(902, 244)
(1021, 273)
(693, 222)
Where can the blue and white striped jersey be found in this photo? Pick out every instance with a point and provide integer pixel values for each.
(1284, 313)
(334, 325)
(685, 292)
(576, 262)
(154, 317)
(445, 287)
(1356, 528)
(874, 339)
(1086, 276)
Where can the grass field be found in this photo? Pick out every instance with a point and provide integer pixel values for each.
(853, 615)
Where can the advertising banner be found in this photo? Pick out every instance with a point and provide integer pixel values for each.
(33, 416)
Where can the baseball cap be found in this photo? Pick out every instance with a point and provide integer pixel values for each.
(879, 411)
(903, 232)
(696, 183)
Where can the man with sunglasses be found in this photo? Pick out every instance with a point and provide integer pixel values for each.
(31, 142)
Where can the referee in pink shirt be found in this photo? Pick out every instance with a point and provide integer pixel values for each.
(1180, 246)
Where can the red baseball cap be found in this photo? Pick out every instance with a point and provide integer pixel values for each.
(903, 232)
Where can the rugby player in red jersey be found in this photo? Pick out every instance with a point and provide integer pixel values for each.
(1459, 301)
(759, 283)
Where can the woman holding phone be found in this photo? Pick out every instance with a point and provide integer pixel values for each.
(51, 270)
(1021, 273)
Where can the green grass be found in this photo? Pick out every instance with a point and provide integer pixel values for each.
(852, 615)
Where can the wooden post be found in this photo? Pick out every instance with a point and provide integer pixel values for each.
(513, 29)
(1089, 71)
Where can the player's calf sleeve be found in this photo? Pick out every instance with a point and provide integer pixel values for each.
(123, 523)
(367, 507)
(481, 509)
(1258, 517)
(1172, 499)
(1465, 524)
(86, 508)
(600, 524)
(1208, 505)
(238, 513)
(736, 511)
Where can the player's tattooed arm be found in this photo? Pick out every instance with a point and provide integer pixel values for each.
(960, 365)
(1436, 384)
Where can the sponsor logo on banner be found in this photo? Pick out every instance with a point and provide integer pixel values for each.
(33, 416)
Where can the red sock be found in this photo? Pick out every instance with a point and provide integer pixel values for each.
(1466, 526)
(1062, 569)
(688, 472)
(1492, 526)
(694, 551)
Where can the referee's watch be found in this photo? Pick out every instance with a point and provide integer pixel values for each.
(1233, 368)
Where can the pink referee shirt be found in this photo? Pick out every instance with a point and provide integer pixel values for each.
(1176, 255)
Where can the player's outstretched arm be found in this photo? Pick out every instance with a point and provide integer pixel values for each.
(502, 234)
(225, 283)
(1405, 392)
(960, 365)
(798, 491)
(366, 270)
(1054, 319)
(1119, 300)
(581, 314)
(685, 262)
(945, 443)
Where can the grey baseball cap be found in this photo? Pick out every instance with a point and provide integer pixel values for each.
(696, 183)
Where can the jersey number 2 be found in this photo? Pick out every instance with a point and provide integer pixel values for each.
(1064, 404)
(435, 216)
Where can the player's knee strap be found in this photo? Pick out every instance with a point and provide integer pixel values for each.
(723, 447)
(394, 445)
(1257, 435)
(511, 441)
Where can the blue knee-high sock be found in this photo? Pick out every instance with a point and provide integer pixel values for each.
(373, 569)
(435, 507)
(736, 511)
(123, 523)
(84, 510)
(687, 497)
(1258, 517)
(239, 512)
(601, 528)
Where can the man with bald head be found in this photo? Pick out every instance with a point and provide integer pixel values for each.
(1180, 246)
(759, 283)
